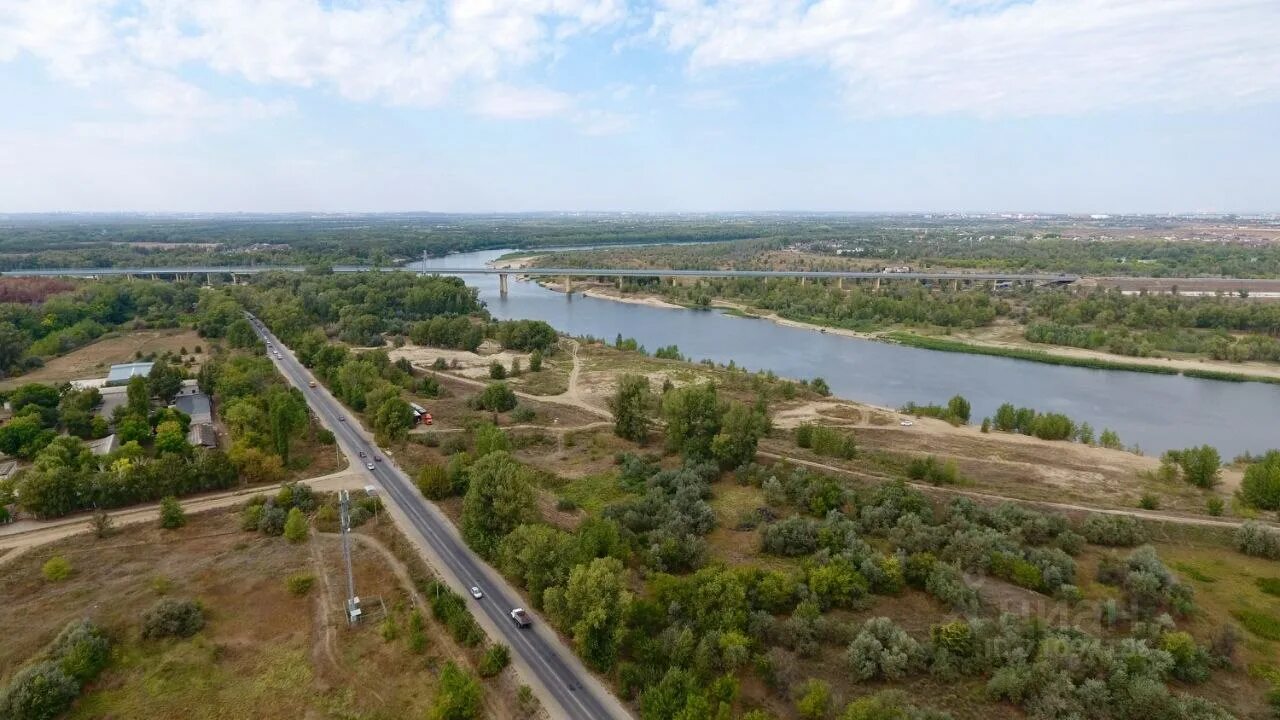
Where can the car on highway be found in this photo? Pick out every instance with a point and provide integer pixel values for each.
(362, 454)
(377, 458)
(342, 418)
(368, 466)
(475, 592)
(521, 618)
(311, 384)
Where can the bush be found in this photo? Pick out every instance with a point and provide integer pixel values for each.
(1261, 485)
(495, 659)
(1258, 540)
(81, 650)
(1113, 530)
(171, 515)
(1214, 506)
(433, 483)
(38, 692)
(172, 618)
(496, 397)
(1148, 501)
(496, 371)
(417, 633)
(458, 696)
(947, 583)
(932, 471)
(523, 414)
(813, 701)
(300, 583)
(295, 527)
(56, 568)
(883, 650)
(793, 537)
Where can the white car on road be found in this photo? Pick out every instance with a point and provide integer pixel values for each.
(475, 592)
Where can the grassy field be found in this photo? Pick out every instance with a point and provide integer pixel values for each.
(264, 653)
(93, 360)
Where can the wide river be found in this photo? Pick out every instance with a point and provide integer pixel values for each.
(1155, 412)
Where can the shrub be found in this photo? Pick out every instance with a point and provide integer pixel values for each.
(932, 471)
(38, 692)
(433, 483)
(1258, 540)
(947, 583)
(300, 583)
(417, 633)
(523, 414)
(793, 537)
(497, 371)
(172, 618)
(295, 527)
(458, 696)
(1149, 501)
(813, 700)
(495, 659)
(171, 515)
(1113, 530)
(1214, 506)
(883, 650)
(1261, 484)
(56, 568)
(496, 397)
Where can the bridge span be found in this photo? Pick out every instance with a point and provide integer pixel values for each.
(234, 271)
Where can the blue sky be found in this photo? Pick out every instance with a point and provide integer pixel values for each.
(663, 105)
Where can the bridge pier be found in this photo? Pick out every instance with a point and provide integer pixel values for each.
(568, 287)
(840, 283)
(502, 284)
(877, 283)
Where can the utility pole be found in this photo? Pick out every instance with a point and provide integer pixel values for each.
(353, 601)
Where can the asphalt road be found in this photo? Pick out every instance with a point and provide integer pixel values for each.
(555, 670)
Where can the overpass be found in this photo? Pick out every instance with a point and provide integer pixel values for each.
(236, 271)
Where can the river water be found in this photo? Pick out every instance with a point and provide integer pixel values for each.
(1155, 412)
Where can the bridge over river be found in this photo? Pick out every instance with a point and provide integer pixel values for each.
(236, 271)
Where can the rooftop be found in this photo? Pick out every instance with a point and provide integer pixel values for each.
(126, 371)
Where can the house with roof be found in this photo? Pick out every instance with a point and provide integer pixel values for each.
(123, 373)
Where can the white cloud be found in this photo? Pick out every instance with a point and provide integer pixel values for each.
(410, 52)
(994, 57)
(520, 103)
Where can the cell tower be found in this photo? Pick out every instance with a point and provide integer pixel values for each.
(353, 601)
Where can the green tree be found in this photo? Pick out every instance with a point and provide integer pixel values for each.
(295, 526)
(1261, 485)
(535, 361)
(172, 516)
(692, 414)
(458, 696)
(592, 607)
(56, 568)
(433, 483)
(740, 431)
(630, 405)
(814, 700)
(287, 415)
(164, 381)
(392, 419)
(498, 499)
(489, 438)
(138, 397)
(1201, 466)
(538, 556)
(958, 408)
(496, 397)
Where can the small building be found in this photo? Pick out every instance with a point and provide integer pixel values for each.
(104, 446)
(197, 406)
(202, 435)
(123, 373)
(8, 468)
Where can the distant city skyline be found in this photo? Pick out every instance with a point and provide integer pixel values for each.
(913, 106)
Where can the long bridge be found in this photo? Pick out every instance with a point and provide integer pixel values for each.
(236, 271)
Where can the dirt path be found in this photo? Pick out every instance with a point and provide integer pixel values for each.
(325, 646)
(1068, 507)
(31, 533)
(572, 397)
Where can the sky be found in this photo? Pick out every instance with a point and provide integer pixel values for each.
(648, 105)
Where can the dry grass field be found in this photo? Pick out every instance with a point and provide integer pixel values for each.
(93, 360)
(264, 652)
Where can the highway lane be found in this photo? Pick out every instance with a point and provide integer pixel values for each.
(568, 690)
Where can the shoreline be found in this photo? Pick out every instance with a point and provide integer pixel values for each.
(1049, 355)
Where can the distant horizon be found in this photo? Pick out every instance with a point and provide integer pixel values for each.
(1002, 214)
